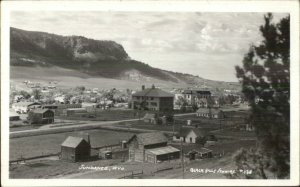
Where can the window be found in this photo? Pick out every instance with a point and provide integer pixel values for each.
(152, 98)
(191, 140)
(153, 104)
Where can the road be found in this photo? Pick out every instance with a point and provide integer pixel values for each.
(87, 125)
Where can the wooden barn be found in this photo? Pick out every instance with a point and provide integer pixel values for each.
(41, 116)
(151, 147)
(75, 149)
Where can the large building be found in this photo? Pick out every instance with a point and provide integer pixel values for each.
(151, 147)
(197, 97)
(153, 99)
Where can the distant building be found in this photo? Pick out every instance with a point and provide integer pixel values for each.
(151, 147)
(75, 149)
(195, 96)
(24, 107)
(200, 153)
(40, 116)
(153, 99)
(214, 113)
(75, 112)
(189, 135)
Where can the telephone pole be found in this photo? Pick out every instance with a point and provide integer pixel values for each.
(182, 160)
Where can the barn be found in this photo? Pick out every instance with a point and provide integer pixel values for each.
(75, 149)
(41, 116)
(151, 147)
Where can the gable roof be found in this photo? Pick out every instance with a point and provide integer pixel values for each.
(72, 141)
(183, 132)
(40, 110)
(150, 138)
(153, 92)
(26, 103)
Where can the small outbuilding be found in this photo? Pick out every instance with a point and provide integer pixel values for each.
(13, 116)
(75, 149)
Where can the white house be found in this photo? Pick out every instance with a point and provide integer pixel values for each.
(189, 135)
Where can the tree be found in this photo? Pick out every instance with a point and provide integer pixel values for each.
(36, 93)
(265, 79)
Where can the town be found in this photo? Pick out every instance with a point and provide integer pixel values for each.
(149, 132)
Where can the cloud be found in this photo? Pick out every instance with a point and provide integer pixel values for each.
(191, 42)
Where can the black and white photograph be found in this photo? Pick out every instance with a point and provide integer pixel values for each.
(150, 92)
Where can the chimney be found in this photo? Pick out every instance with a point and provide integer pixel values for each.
(143, 87)
(88, 139)
(153, 87)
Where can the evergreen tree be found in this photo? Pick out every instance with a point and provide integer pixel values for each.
(265, 78)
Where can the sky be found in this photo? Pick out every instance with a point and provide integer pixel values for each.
(209, 45)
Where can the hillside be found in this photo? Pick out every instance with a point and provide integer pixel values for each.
(88, 57)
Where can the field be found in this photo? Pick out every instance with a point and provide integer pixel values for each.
(50, 143)
(106, 115)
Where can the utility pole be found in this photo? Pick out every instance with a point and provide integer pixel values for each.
(182, 160)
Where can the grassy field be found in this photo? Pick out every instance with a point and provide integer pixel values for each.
(50, 143)
(52, 168)
(106, 115)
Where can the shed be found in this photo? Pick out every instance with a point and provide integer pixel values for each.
(75, 149)
(76, 112)
(161, 154)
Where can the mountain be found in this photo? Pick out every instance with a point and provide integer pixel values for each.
(94, 58)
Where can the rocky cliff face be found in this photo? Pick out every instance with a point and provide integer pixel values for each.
(93, 57)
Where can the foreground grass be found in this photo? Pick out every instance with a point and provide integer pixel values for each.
(50, 143)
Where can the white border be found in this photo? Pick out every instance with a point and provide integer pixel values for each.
(188, 6)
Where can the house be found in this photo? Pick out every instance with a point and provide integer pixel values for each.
(194, 96)
(75, 149)
(151, 147)
(153, 99)
(214, 113)
(189, 135)
(24, 107)
(40, 116)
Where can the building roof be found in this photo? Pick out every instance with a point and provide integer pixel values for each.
(13, 114)
(201, 92)
(26, 103)
(201, 150)
(72, 141)
(153, 92)
(183, 132)
(77, 109)
(40, 110)
(163, 150)
(150, 138)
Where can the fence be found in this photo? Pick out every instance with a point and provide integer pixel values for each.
(21, 159)
(132, 174)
